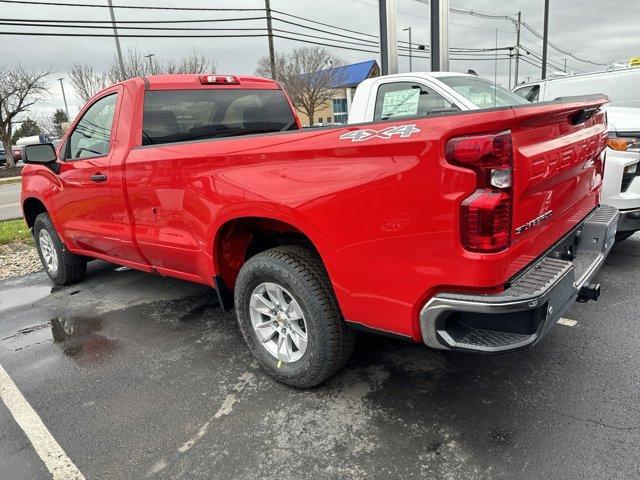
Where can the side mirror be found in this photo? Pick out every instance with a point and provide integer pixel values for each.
(40, 154)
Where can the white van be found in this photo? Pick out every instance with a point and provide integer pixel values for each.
(621, 183)
(622, 86)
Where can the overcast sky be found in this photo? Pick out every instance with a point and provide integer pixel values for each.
(602, 31)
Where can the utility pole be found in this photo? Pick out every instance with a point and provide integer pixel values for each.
(272, 54)
(518, 26)
(565, 65)
(149, 57)
(117, 39)
(495, 72)
(439, 35)
(388, 41)
(64, 97)
(410, 49)
(545, 39)
(510, 60)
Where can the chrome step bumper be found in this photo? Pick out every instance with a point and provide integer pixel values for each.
(533, 302)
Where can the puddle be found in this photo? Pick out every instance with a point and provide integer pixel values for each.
(17, 297)
(80, 338)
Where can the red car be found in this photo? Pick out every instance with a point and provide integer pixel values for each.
(471, 231)
(17, 153)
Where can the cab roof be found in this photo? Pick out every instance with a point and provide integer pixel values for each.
(192, 81)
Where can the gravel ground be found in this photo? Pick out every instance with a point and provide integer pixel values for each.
(17, 259)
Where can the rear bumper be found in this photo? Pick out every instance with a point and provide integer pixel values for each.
(629, 220)
(532, 302)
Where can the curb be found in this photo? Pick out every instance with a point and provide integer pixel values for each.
(10, 180)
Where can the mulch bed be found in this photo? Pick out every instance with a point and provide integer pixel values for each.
(6, 172)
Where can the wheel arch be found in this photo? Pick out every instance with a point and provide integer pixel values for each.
(239, 238)
(31, 208)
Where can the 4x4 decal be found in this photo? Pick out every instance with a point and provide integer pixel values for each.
(403, 131)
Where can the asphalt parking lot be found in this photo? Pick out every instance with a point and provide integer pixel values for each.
(137, 376)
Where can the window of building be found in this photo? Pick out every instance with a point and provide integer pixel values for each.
(340, 113)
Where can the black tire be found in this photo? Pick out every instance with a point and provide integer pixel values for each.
(71, 268)
(330, 341)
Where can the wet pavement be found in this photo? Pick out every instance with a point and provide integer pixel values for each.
(138, 376)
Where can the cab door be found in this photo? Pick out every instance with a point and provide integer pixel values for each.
(84, 204)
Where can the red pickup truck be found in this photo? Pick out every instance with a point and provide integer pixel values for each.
(470, 231)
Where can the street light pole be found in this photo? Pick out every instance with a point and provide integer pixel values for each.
(408, 29)
(149, 57)
(117, 39)
(64, 97)
(545, 39)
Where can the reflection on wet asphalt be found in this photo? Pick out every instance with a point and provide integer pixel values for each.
(139, 376)
(80, 338)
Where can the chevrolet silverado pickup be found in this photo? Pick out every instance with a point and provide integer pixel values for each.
(471, 231)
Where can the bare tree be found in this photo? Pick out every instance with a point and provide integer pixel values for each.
(135, 65)
(309, 74)
(86, 81)
(20, 89)
(195, 62)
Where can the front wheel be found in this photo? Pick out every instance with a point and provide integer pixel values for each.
(63, 267)
(289, 316)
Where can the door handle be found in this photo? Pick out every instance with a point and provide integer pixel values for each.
(98, 177)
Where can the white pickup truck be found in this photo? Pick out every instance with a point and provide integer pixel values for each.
(419, 94)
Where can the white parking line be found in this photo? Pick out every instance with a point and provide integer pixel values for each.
(52, 454)
(567, 322)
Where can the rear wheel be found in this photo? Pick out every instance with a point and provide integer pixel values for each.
(289, 316)
(62, 266)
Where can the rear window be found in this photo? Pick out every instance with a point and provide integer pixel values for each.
(185, 115)
(483, 93)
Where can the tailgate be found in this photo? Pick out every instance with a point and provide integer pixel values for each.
(558, 165)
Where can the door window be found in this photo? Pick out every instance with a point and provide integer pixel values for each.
(408, 99)
(530, 93)
(92, 135)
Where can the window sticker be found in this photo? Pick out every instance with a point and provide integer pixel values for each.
(401, 103)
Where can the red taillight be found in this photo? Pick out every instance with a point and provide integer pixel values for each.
(485, 216)
(219, 80)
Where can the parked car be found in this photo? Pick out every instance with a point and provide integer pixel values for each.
(457, 230)
(621, 185)
(3, 156)
(17, 153)
(33, 140)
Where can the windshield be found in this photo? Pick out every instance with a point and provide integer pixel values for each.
(483, 93)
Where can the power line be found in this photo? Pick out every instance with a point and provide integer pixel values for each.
(126, 35)
(120, 27)
(359, 41)
(135, 7)
(560, 49)
(524, 24)
(325, 24)
(74, 21)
